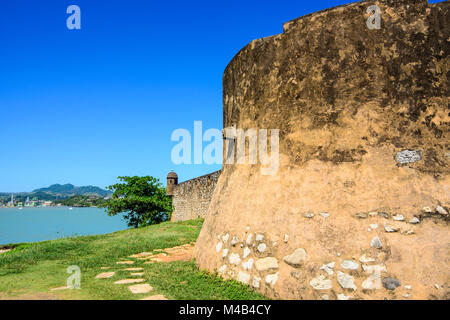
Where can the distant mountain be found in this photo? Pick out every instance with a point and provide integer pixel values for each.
(66, 190)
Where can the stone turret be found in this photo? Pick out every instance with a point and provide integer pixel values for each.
(359, 207)
(172, 180)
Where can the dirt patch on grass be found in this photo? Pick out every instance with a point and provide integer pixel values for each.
(179, 253)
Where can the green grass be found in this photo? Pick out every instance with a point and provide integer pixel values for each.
(34, 268)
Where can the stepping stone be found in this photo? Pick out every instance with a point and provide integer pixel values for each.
(137, 274)
(125, 262)
(142, 254)
(59, 288)
(154, 260)
(128, 281)
(105, 275)
(140, 288)
(156, 297)
(105, 268)
(134, 269)
(145, 258)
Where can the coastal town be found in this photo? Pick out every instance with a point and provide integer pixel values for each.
(34, 202)
(75, 201)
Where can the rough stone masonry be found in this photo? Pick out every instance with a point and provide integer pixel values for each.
(191, 198)
(359, 207)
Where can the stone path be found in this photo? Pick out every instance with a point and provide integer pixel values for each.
(128, 281)
(140, 288)
(125, 262)
(179, 253)
(105, 275)
(141, 255)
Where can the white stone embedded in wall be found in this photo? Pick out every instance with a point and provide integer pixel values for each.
(321, 283)
(346, 281)
(408, 156)
(256, 282)
(234, 259)
(376, 243)
(266, 264)
(219, 247)
(271, 279)
(328, 268)
(222, 269)
(262, 247)
(259, 237)
(414, 220)
(297, 258)
(224, 253)
(247, 251)
(349, 264)
(243, 277)
(389, 228)
(375, 268)
(342, 296)
(373, 282)
(441, 210)
(248, 265)
(249, 239)
(427, 210)
(364, 259)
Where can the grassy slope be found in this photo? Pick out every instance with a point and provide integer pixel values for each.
(37, 267)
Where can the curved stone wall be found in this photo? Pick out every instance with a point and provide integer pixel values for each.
(359, 206)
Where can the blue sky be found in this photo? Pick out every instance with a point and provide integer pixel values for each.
(85, 106)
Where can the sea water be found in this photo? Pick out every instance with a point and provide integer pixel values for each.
(38, 224)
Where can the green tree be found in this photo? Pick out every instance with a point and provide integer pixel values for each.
(142, 199)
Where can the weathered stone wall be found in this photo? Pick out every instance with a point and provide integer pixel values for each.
(359, 206)
(191, 198)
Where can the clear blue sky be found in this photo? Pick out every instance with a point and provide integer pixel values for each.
(85, 106)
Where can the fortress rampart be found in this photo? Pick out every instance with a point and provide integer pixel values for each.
(359, 206)
(191, 198)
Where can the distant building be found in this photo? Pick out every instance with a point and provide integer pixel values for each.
(11, 203)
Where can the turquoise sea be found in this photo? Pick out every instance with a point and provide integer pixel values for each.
(38, 224)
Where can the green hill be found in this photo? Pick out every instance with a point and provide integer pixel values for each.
(67, 190)
(56, 192)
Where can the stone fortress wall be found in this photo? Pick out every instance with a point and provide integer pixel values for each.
(359, 206)
(191, 198)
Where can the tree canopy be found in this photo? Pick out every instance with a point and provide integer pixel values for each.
(142, 199)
